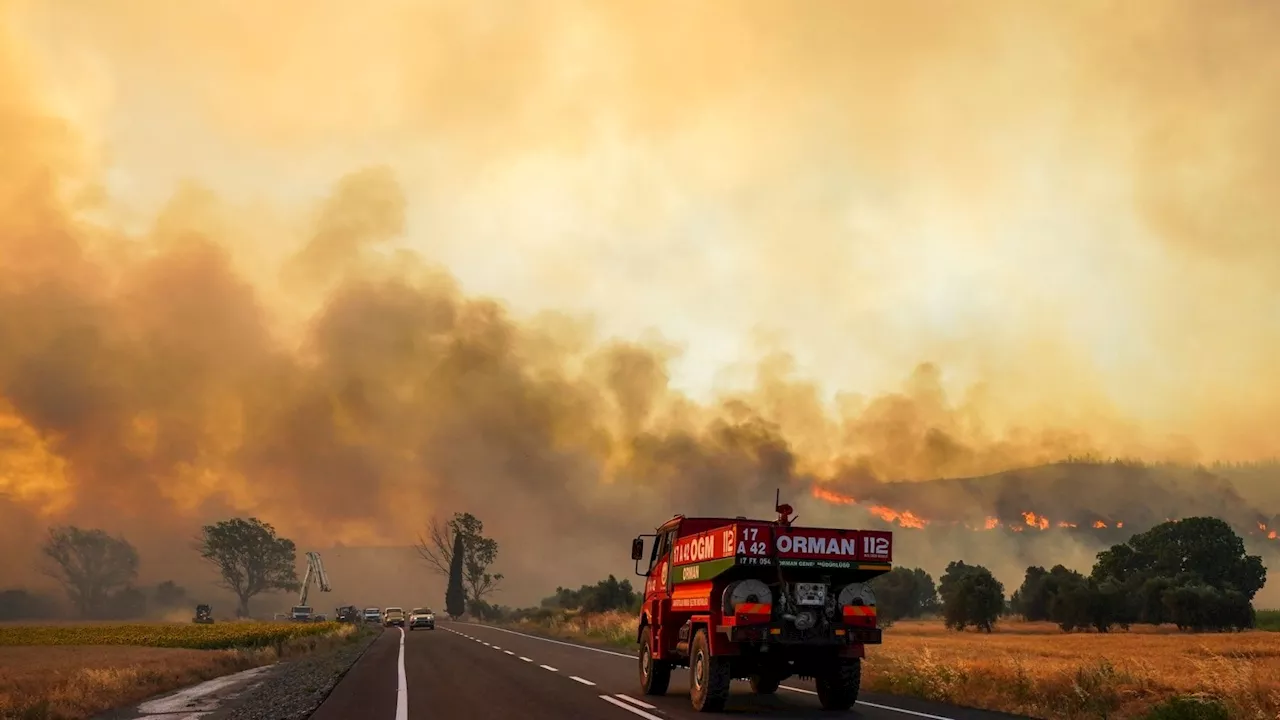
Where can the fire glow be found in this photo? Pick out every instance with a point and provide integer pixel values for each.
(1029, 519)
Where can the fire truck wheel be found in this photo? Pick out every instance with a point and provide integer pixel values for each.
(765, 683)
(709, 676)
(655, 675)
(838, 687)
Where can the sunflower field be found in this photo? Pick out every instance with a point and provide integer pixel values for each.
(218, 636)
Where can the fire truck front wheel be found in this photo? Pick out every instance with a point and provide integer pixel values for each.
(709, 675)
(838, 686)
(655, 675)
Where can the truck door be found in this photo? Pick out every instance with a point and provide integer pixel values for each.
(656, 586)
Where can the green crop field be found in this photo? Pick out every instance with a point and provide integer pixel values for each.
(218, 636)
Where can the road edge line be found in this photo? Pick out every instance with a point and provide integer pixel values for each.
(402, 694)
(629, 708)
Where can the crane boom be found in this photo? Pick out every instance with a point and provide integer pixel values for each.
(315, 575)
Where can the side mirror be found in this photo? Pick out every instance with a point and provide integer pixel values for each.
(637, 548)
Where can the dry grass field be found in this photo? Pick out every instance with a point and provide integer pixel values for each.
(73, 672)
(1035, 669)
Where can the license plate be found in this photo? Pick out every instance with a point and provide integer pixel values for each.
(811, 594)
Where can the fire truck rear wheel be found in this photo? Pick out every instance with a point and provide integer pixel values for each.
(765, 683)
(709, 675)
(838, 687)
(655, 675)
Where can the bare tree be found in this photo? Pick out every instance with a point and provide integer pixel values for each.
(479, 552)
(90, 564)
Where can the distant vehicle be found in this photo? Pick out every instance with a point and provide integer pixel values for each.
(204, 614)
(347, 614)
(422, 617)
(373, 615)
(393, 616)
(301, 613)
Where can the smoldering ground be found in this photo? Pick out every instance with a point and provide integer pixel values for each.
(246, 256)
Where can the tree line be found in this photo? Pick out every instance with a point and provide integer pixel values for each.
(98, 571)
(1192, 573)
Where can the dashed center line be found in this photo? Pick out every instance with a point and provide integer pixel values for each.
(526, 659)
(508, 652)
(630, 709)
(581, 680)
(635, 702)
(548, 667)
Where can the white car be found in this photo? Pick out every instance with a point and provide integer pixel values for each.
(372, 615)
(422, 617)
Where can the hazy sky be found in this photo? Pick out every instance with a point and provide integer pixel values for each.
(1067, 209)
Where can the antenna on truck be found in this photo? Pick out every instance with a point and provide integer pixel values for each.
(784, 511)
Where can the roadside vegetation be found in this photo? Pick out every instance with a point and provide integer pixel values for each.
(218, 636)
(68, 672)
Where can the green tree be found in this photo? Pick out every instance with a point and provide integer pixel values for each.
(455, 597)
(1203, 549)
(1162, 573)
(479, 553)
(904, 593)
(90, 565)
(251, 558)
(605, 595)
(971, 595)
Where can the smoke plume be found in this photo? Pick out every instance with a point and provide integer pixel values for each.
(575, 267)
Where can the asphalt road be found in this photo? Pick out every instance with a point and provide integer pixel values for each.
(465, 671)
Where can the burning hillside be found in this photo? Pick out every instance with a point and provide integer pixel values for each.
(990, 503)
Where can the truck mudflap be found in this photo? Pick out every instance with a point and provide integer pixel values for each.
(783, 634)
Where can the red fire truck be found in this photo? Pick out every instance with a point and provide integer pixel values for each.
(761, 600)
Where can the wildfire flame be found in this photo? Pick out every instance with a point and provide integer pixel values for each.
(905, 518)
(833, 497)
(1030, 519)
(1036, 521)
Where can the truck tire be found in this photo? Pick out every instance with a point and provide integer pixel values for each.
(655, 675)
(838, 687)
(709, 676)
(765, 683)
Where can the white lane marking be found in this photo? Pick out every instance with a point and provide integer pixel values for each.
(581, 680)
(402, 695)
(508, 652)
(495, 647)
(486, 644)
(558, 642)
(635, 702)
(526, 659)
(628, 708)
(548, 667)
(877, 706)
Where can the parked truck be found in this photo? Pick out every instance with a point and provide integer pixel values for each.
(759, 600)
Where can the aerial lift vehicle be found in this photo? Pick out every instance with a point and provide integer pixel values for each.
(302, 612)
